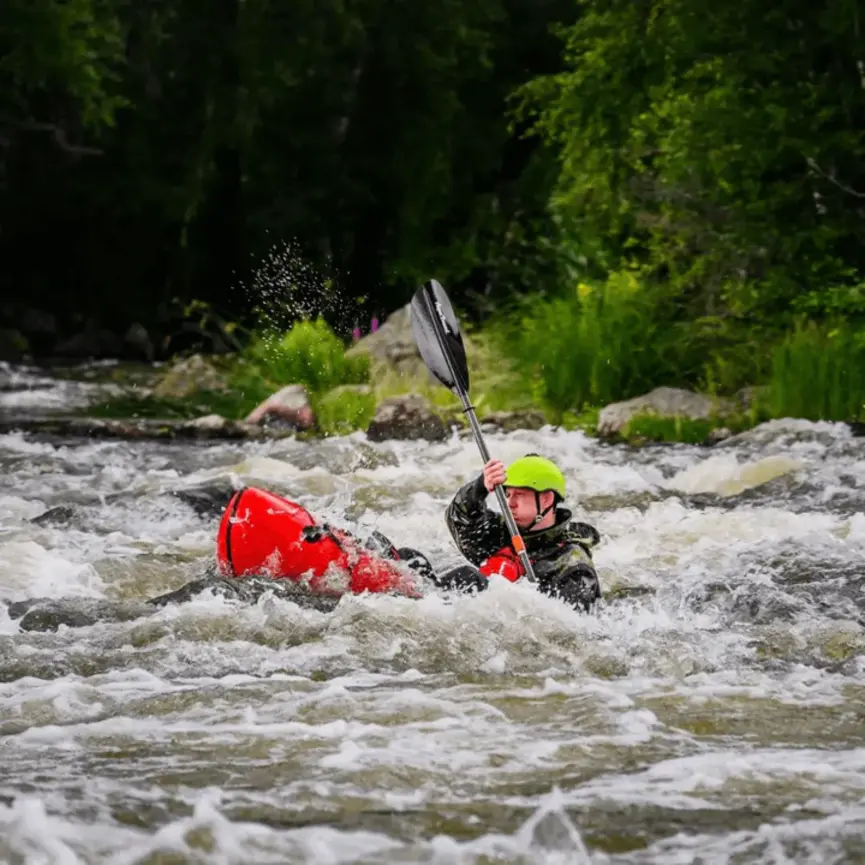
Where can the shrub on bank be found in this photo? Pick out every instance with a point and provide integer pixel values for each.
(598, 343)
(567, 355)
(818, 373)
(344, 409)
(609, 341)
(310, 354)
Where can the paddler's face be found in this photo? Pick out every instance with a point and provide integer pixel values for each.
(524, 506)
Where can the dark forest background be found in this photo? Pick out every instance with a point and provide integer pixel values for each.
(699, 166)
(159, 151)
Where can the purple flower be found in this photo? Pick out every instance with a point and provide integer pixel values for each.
(373, 325)
(355, 334)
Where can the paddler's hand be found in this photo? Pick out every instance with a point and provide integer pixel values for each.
(494, 474)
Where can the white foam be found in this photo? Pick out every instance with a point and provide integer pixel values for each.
(28, 570)
(478, 706)
(724, 474)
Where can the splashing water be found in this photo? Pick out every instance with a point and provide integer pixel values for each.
(710, 712)
(287, 287)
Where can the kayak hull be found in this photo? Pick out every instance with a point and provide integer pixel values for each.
(264, 534)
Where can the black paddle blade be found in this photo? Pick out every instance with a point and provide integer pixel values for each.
(437, 336)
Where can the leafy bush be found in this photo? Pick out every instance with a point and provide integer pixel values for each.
(601, 342)
(344, 410)
(309, 354)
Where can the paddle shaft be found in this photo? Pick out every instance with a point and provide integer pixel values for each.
(516, 538)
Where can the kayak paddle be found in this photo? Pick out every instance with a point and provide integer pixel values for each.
(437, 336)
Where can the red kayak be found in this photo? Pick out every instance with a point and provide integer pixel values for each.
(263, 534)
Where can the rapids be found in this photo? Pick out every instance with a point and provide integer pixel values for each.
(711, 712)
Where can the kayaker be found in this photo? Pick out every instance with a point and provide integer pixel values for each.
(558, 548)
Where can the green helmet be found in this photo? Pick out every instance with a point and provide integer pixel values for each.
(536, 473)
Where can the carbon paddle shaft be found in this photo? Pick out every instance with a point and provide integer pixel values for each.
(469, 410)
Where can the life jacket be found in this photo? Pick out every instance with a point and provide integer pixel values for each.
(503, 563)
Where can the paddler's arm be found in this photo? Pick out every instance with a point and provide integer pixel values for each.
(477, 531)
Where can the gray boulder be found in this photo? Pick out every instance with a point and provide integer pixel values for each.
(289, 406)
(188, 376)
(95, 342)
(665, 402)
(511, 421)
(392, 347)
(407, 417)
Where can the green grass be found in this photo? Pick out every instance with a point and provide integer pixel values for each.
(566, 356)
(343, 410)
(585, 420)
(309, 354)
(337, 412)
(818, 373)
(649, 427)
(133, 405)
(599, 343)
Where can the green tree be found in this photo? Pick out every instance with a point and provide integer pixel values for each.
(719, 145)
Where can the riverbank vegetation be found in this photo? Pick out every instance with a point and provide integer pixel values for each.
(617, 195)
(566, 359)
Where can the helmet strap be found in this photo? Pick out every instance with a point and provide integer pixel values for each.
(541, 513)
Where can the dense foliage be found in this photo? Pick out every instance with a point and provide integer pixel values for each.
(716, 153)
(630, 192)
(157, 150)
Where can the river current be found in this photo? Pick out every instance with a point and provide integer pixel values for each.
(710, 712)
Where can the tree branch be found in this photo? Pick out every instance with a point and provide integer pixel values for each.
(831, 178)
(59, 137)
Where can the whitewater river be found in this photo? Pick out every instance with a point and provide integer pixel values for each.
(711, 714)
